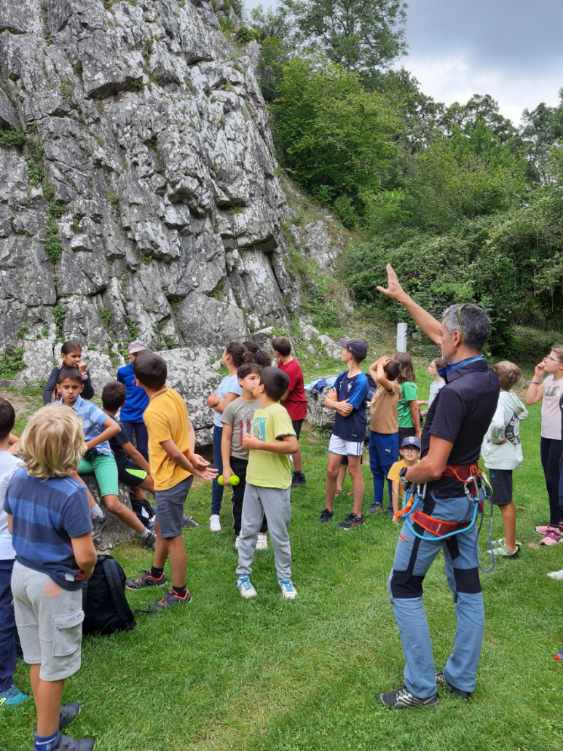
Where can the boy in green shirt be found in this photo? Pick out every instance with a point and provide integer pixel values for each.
(268, 483)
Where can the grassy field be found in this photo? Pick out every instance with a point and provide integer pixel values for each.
(269, 675)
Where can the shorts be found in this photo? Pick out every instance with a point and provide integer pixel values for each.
(49, 621)
(297, 425)
(130, 474)
(501, 480)
(339, 446)
(170, 508)
(103, 466)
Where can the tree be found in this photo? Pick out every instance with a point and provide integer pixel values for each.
(360, 35)
(543, 128)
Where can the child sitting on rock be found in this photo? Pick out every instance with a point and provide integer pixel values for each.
(71, 352)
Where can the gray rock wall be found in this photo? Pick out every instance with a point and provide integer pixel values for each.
(144, 202)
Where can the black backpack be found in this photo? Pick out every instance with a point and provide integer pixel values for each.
(105, 607)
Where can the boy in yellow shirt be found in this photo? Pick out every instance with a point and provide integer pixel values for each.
(173, 464)
(410, 455)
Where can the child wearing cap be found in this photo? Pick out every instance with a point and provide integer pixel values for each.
(348, 400)
(136, 401)
(410, 455)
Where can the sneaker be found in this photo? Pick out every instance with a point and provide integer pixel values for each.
(503, 552)
(66, 743)
(552, 537)
(298, 479)
(170, 600)
(543, 529)
(402, 698)
(287, 589)
(351, 521)
(149, 540)
(326, 515)
(68, 713)
(376, 508)
(262, 541)
(500, 542)
(12, 697)
(246, 588)
(146, 579)
(215, 523)
(559, 656)
(189, 522)
(557, 575)
(441, 682)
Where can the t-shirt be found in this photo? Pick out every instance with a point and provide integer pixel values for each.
(229, 385)
(353, 390)
(461, 414)
(408, 394)
(117, 442)
(383, 410)
(550, 412)
(394, 475)
(296, 402)
(239, 415)
(136, 399)
(267, 469)
(166, 419)
(8, 465)
(46, 515)
(93, 423)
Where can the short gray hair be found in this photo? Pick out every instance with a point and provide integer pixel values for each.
(471, 321)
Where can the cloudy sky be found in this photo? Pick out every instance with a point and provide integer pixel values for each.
(511, 49)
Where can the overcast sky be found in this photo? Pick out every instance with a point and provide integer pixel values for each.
(511, 49)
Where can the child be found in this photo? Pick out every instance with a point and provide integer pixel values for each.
(172, 462)
(133, 469)
(383, 427)
(437, 382)
(9, 695)
(47, 507)
(410, 454)
(72, 358)
(228, 390)
(136, 401)
(407, 409)
(348, 400)
(502, 453)
(268, 483)
(237, 422)
(98, 459)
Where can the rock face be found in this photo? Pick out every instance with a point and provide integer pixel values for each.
(144, 201)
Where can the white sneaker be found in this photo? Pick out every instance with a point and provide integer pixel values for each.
(237, 542)
(215, 523)
(246, 588)
(287, 589)
(557, 575)
(262, 541)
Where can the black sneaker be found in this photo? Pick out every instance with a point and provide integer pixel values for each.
(146, 579)
(69, 712)
(326, 515)
(170, 600)
(189, 522)
(149, 540)
(442, 683)
(402, 698)
(376, 508)
(351, 521)
(66, 743)
(298, 479)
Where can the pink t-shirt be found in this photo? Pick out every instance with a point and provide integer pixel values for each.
(550, 409)
(296, 402)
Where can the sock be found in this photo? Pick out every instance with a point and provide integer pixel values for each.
(156, 573)
(180, 591)
(47, 742)
(96, 512)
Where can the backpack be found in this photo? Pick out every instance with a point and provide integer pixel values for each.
(105, 607)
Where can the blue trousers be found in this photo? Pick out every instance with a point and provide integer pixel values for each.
(136, 432)
(8, 632)
(413, 558)
(383, 452)
(216, 489)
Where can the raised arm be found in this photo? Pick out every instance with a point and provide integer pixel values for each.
(534, 392)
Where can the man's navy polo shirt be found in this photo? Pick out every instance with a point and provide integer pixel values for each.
(461, 414)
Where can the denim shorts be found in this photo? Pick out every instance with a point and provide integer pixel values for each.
(170, 508)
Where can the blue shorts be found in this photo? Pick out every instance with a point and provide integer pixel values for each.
(170, 508)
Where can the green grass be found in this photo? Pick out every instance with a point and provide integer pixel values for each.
(274, 676)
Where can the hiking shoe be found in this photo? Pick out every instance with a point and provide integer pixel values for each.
(287, 589)
(326, 515)
(559, 656)
(503, 552)
(246, 588)
(12, 697)
(557, 575)
(68, 713)
(215, 523)
(170, 600)
(262, 541)
(149, 540)
(552, 537)
(298, 479)
(67, 743)
(441, 682)
(146, 579)
(376, 508)
(402, 698)
(189, 522)
(351, 521)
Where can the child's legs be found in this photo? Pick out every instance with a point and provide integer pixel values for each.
(277, 507)
(501, 481)
(142, 439)
(252, 516)
(336, 450)
(7, 627)
(297, 461)
(216, 489)
(239, 467)
(550, 458)
(48, 698)
(355, 469)
(169, 540)
(375, 467)
(508, 512)
(341, 476)
(106, 473)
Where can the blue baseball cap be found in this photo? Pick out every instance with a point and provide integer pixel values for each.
(411, 442)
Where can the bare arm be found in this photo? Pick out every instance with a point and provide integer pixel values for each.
(396, 485)
(415, 414)
(534, 392)
(432, 466)
(84, 554)
(378, 374)
(111, 429)
(288, 444)
(136, 456)
(206, 472)
(424, 320)
(226, 443)
(331, 402)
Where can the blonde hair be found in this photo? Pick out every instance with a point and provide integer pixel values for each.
(52, 443)
(508, 374)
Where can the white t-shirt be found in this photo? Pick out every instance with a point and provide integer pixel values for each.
(550, 410)
(229, 385)
(8, 465)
